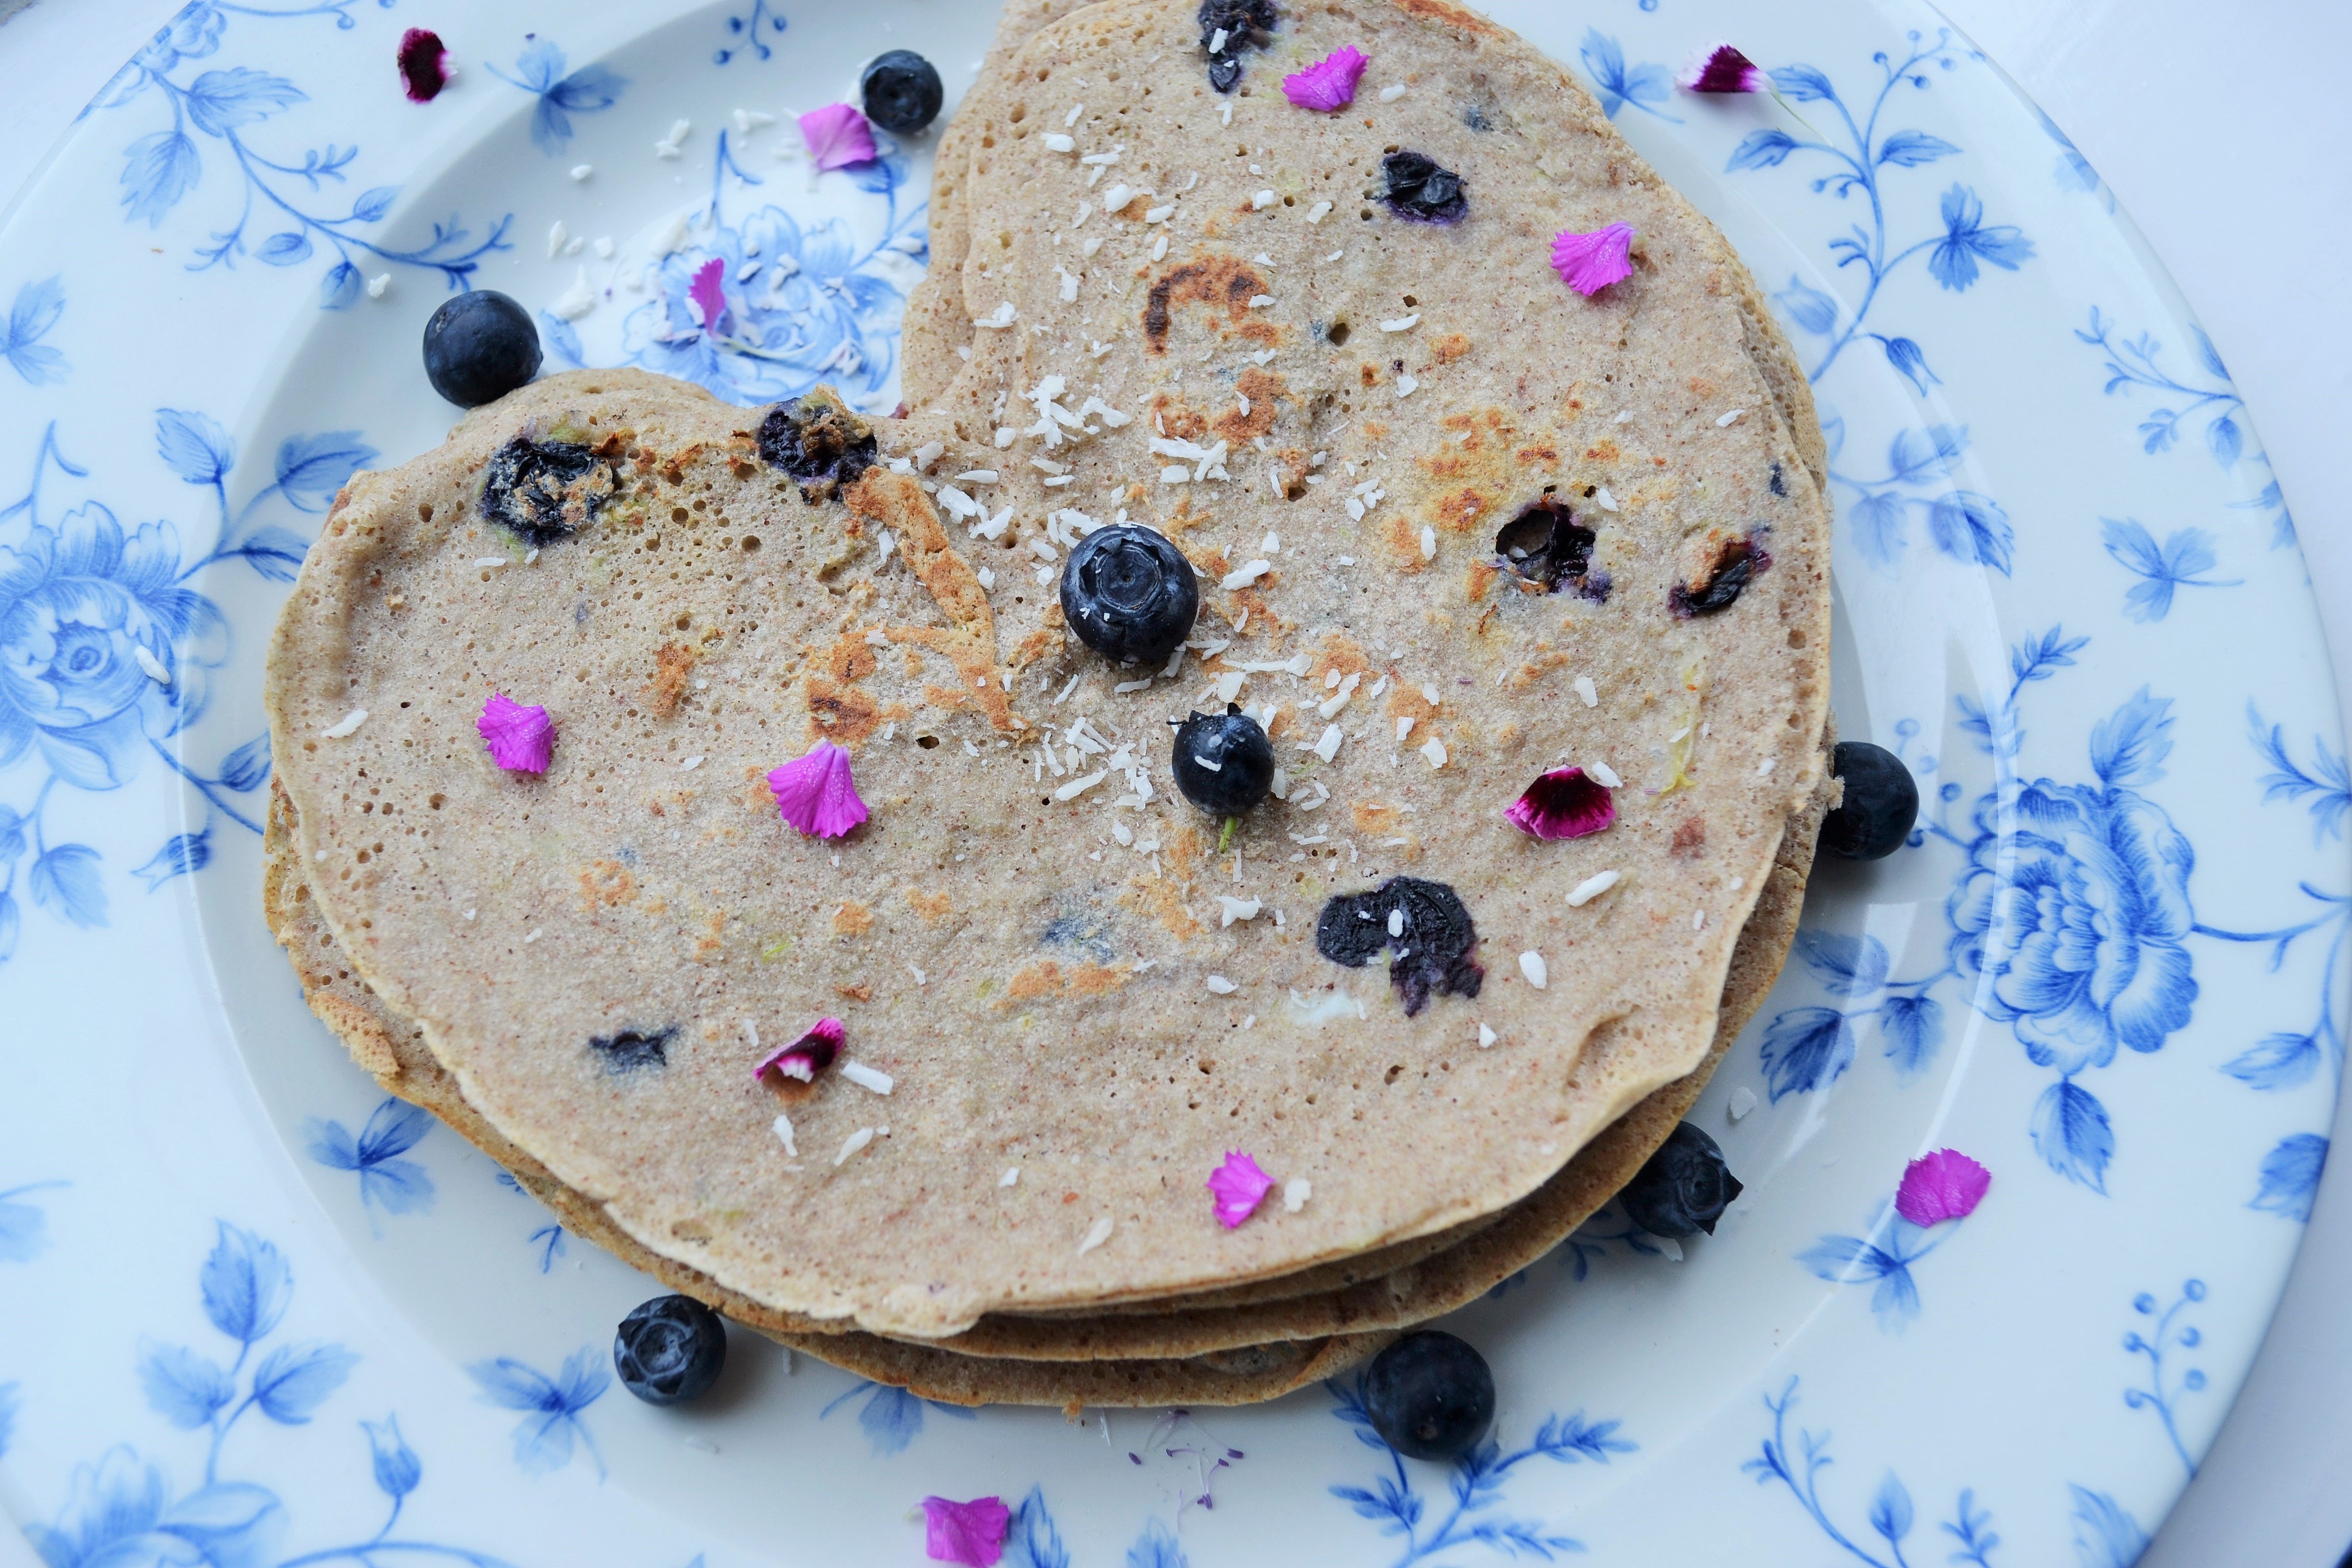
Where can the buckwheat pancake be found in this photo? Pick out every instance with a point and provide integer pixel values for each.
(1033, 1367)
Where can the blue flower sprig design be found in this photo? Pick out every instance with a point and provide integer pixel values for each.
(891, 1418)
(1919, 480)
(1618, 85)
(224, 106)
(23, 1227)
(37, 310)
(2178, 563)
(1031, 1539)
(387, 1182)
(540, 69)
(106, 651)
(548, 1238)
(2165, 1336)
(1925, 1212)
(552, 1408)
(123, 1510)
(1476, 1486)
(2136, 366)
(745, 31)
(1861, 157)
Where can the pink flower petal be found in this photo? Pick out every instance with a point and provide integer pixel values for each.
(1719, 68)
(1566, 803)
(709, 292)
(423, 65)
(968, 1532)
(1946, 1184)
(521, 740)
(1591, 262)
(1329, 83)
(804, 1058)
(1239, 1186)
(816, 794)
(837, 136)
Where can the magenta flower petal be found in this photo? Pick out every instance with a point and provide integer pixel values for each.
(1946, 1184)
(816, 794)
(1567, 802)
(837, 136)
(1239, 1186)
(1329, 83)
(806, 1057)
(423, 65)
(968, 1532)
(521, 740)
(709, 292)
(1719, 68)
(1591, 262)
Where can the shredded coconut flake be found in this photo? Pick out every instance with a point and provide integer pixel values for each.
(150, 665)
(1487, 1036)
(1096, 1234)
(865, 1076)
(1402, 323)
(1730, 417)
(1531, 964)
(1603, 499)
(1221, 985)
(347, 725)
(1428, 543)
(1587, 692)
(1245, 575)
(1237, 909)
(1434, 751)
(1591, 887)
(853, 1143)
(1606, 774)
(783, 1125)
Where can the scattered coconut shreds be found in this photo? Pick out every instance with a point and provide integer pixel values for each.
(1011, 1176)
(1531, 964)
(1060, 142)
(1743, 1101)
(1731, 418)
(1263, 200)
(1406, 387)
(150, 665)
(536, 932)
(1487, 1036)
(1329, 746)
(1393, 91)
(1605, 774)
(1587, 692)
(347, 725)
(784, 1126)
(1589, 263)
(997, 320)
(1238, 1186)
(522, 739)
(1079, 787)
(1591, 887)
(1428, 543)
(1435, 751)
(803, 1059)
(1329, 84)
(1318, 212)
(1096, 1234)
(1603, 499)
(1221, 985)
(816, 794)
(1243, 575)
(853, 1143)
(865, 1076)
(1235, 909)
(1294, 1194)
(1402, 323)
(378, 284)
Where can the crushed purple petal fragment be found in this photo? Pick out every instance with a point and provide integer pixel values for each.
(1719, 68)
(805, 1058)
(1566, 803)
(839, 136)
(816, 794)
(1946, 1184)
(1591, 262)
(423, 65)
(968, 1532)
(521, 740)
(1238, 1186)
(1328, 84)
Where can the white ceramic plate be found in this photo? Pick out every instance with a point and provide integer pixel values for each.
(251, 1313)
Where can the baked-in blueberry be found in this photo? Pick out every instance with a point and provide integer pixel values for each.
(1130, 594)
(1430, 1396)
(1546, 546)
(1228, 26)
(1682, 1188)
(544, 492)
(1417, 188)
(1880, 806)
(902, 92)
(819, 441)
(1223, 762)
(479, 347)
(669, 1350)
(1427, 925)
(1727, 575)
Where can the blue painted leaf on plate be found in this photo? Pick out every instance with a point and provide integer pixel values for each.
(1914, 1027)
(187, 1389)
(193, 445)
(246, 1283)
(220, 102)
(65, 881)
(293, 1379)
(1909, 149)
(285, 247)
(1761, 150)
(2073, 1135)
(2104, 1535)
(2290, 1175)
(157, 171)
(248, 766)
(1845, 965)
(1890, 1510)
(181, 853)
(311, 468)
(2129, 747)
(1806, 1049)
(2280, 1061)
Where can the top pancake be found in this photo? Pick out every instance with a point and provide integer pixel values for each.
(665, 901)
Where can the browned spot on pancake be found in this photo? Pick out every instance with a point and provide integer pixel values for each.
(842, 714)
(1338, 651)
(897, 501)
(607, 882)
(851, 658)
(1209, 560)
(1690, 836)
(1097, 979)
(1481, 577)
(1184, 852)
(1370, 375)
(933, 907)
(1545, 661)
(1032, 647)
(1178, 421)
(1447, 463)
(1407, 702)
(1210, 280)
(1261, 615)
(1264, 389)
(1160, 900)
(1403, 541)
(1459, 511)
(1541, 452)
(1042, 979)
(914, 662)
(1603, 451)
(858, 992)
(853, 918)
(672, 664)
(1370, 817)
(1451, 347)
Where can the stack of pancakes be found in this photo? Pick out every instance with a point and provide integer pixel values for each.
(1352, 415)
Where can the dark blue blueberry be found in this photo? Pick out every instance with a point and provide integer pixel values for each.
(1417, 188)
(1223, 762)
(1682, 1188)
(1719, 588)
(1243, 24)
(634, 1048)
(819, 441)
(1434, 939)
(1430, 1396)
(1129, 593)
(669, 1350)
(479, 347)
(901, 91)
(1882, 803)
(544, 492)
(1546, 546)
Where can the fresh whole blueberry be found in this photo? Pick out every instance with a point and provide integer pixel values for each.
(479, 347)
(1882, 803)
(1682, 1188)
(1224, 762)
(902, 92)
(1430, 1396)
(1129, 593)
(669, 1350)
